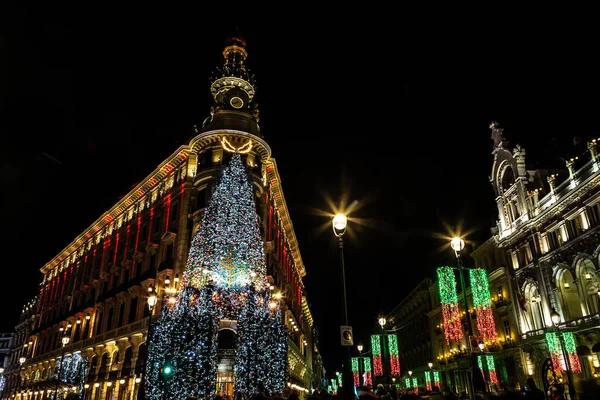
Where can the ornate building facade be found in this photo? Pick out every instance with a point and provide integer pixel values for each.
(91, 309)
(549, 230)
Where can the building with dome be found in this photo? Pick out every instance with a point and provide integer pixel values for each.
(86, 330)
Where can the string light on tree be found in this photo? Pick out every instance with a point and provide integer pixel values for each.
(224, 280)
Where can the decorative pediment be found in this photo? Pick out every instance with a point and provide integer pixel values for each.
(122, 297)
(152, 249)
(135, 291)
(115, 270)
(126, 264)
(168, 237)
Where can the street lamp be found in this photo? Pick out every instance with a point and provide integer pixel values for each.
(65, 341)
(458, 244)
(382, 321)
(430, 364)
(21, 361)
(555, 317)
(339, 223)
(359, 347)
(151, 300)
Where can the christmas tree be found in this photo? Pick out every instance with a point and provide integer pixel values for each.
(224, 286)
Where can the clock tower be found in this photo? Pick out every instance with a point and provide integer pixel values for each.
(233, 88)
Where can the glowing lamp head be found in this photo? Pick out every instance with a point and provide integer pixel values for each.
(382, 321)
(65, 340)
(151, 301)
(430, 365)
(1, 370)
(339, 222)
(409, 373)
(555, 317)
(457, 244)
(359, 347)
(22, 360)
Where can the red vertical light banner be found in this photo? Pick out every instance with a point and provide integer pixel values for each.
(368, 375)
(377, 358)
(355, 370)
(392, 341)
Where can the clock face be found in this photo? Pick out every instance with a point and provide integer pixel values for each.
(236, 102)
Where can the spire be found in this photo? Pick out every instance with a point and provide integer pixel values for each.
(233, 88)
(497, 135)
(234, 72)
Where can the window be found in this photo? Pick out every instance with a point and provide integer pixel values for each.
(506, 324)
(500, 293)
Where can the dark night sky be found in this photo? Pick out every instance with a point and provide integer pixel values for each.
(395, 117)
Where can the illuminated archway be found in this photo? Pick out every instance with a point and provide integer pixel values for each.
(568, 295)
(588, 284)
(535, 312)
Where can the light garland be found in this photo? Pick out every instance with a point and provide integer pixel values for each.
(491, 369)
(354, 362)
(367, 376)
(571, 350)
(415, 385)
(482, 304)
(449, 300)
(428, 381)
(554, 349)
(377, 358)
(436, 378)
(224, 279)
(392, 341)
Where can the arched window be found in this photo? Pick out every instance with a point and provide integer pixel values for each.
(568, 295)
(535, 314)
(588, 284)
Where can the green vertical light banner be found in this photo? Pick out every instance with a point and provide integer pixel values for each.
(482, 302)
(492, 369)
(436, 379)
(394, 355)
(377, 358)
(449, 300)
(571, 349)
(428, 380)
(355, 362)
(368, 376)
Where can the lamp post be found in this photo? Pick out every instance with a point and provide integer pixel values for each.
(458, 244)
(555, 316)
(65, 341)
(339, 222)
(21, 361)
(151, 301)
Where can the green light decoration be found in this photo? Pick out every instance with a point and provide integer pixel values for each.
(368, 376)
(339, 378)
(491, 369)
(394, 356)
(428, 381)
(482, 302)
(407, 382)
(571, 348)
(480, 365)
(449, 300)
(354, 364)
(554, 349)
(377, 359)
(436, 378)
(415, 385)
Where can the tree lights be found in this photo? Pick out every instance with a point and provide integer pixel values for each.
(224, 286)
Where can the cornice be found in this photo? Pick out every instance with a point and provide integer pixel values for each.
(176, 160)
(555, 209)
(274, 181)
